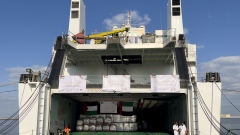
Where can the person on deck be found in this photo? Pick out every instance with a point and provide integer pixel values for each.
(67, 130)
(175, 128)
(183, 129)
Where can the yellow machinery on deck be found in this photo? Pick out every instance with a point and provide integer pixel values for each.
(101, 37)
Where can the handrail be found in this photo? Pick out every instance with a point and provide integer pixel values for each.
(172, 32)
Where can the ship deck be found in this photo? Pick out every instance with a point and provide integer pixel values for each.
(118, 133)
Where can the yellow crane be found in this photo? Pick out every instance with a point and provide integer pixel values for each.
(101, 37)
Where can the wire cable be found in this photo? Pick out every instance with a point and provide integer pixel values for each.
(13, 124)
(205, 109)
(9, 127)
(207, 112)
(228, 90)
(22, 94)
(8, 84)
(227, 98)
(23, 114)
(211, 110)
(8, 91)
(28, 98)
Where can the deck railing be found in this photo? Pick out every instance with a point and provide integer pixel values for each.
(136, 81)
(167, 35)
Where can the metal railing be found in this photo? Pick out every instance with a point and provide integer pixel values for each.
(136, 81)
(167, 35)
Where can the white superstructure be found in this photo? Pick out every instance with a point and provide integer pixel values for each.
(155, 70)
(77, 17)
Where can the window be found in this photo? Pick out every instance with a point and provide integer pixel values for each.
(176, 11)
(74, 14)
(175, 2)
(75, 4)
(126, 59)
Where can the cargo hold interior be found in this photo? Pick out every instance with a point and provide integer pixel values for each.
(152, 112)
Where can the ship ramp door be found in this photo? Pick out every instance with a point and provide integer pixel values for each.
(118, 112)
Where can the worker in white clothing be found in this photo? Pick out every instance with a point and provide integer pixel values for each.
(183, 129)
(175, 128)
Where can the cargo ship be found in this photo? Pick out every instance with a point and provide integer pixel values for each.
(122, 81)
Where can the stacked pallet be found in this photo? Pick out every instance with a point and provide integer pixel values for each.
(106, 122)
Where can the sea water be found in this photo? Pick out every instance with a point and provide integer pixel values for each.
(5, 126)
(231, 123)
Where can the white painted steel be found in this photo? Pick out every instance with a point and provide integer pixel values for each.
(40, 109)
(46, 116)
(76, 25)
(29, 122)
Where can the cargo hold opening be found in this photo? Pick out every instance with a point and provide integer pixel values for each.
(150, 112)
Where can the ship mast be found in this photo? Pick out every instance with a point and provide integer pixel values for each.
(128, 22)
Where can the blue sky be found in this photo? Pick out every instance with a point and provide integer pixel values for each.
(29, 29)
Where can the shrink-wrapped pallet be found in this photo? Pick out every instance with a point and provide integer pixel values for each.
(113, 127)
(119, 126)
(88, 116)
(86, 121)
(99, 120)
(102, 116)
(107, 121)
(133, 126)
(95, 116)
(85, 128)
(98, 127)
(92, 121)
(79, 122)
(116, 118)
(105, 127)
(110, 116)
(132, 119)
(82, 116)
(124, 119)
(126, 127)
(92, 128)
(79, 128)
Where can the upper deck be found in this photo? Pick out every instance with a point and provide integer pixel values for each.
(123, 50)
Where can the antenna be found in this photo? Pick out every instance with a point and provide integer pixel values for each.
(129, 19)
(160, 21)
